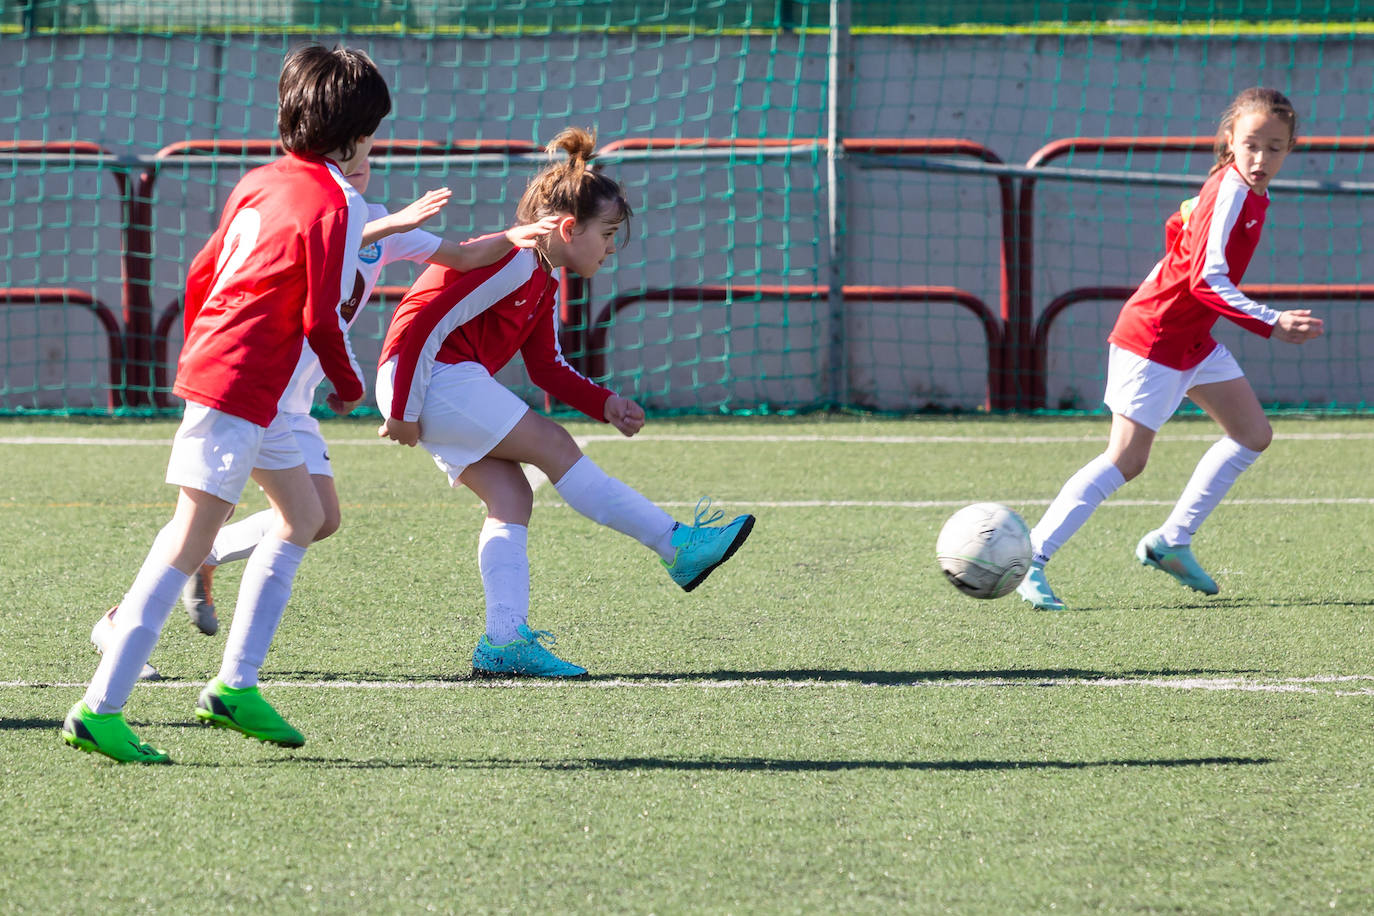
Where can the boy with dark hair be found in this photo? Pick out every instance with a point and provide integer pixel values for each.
(275, 273)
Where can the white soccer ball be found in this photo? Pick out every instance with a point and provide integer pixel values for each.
(984, 550)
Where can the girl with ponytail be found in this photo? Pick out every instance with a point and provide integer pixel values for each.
(454, 331)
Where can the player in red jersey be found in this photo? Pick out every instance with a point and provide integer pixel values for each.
(452, 332)
(274, 274)
(1162, 349)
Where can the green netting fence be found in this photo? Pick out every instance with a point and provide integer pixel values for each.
(890, 206)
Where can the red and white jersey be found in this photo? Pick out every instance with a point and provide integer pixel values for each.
(415, 245)
(1169, 319)
(277, 271)
(484, 316)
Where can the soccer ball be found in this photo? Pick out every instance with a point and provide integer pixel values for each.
(984, 550)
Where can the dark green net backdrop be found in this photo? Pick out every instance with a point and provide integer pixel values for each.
(970, 254)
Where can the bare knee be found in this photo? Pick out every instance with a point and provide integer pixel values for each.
(303, 526)
(332, 521)
(1130, 465)
(1256, 439)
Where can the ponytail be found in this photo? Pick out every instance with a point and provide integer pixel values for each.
(572, 186)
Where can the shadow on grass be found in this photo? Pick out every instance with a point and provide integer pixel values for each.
(769, 764)
(898, 678)
(7, 725)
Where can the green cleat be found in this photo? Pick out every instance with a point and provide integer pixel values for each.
(1035, 588)
(523, 657)
(243, 710)
(702, 545)
(1178, 562)
(108, 735)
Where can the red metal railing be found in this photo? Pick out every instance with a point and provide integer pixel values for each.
(992, 325)
(62, 296)
(587, 334)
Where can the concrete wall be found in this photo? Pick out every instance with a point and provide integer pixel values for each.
(712, 221)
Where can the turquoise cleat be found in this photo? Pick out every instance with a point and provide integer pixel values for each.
(703, 545)
(1178, 562)
(523, 657)
(1035, 588)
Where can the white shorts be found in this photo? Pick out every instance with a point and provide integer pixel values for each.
(311, 442)
(216, 452)
(1149, 393)
(466, 413)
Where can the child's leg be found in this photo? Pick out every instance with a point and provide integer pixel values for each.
(502, 548)
(237, 541)
(178, 550)
(1125, 457)
(584, 486)
(1234, 406)
(267, 579)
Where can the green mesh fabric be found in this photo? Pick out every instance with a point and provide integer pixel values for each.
(959, 279)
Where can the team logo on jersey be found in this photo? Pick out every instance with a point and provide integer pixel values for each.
(371, 254)
(349, 307)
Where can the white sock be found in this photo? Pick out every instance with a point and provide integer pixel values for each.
(237, 541)
(503, 558)
(1211, 480)
(263, 593)
(142, 614)
(1078, 498)
(607, 501)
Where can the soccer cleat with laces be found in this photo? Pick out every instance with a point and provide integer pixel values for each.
(108, 735)
(101, 633)
(243, 710)
(703, 545)
(200, 607)
(527, 656)
(1035, 588)
(1178, 562)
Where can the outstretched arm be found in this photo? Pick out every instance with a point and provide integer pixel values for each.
(410, 217)
(489, 249)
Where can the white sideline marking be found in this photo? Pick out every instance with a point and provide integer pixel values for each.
(746, 438)
(1244, 685)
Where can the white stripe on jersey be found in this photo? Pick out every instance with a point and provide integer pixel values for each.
(1231, 195)
(512, 276)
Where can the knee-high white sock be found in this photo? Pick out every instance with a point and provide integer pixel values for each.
(607, 501)
(263, 593)
(503, 558)
(237, 541)
(1211, 480)
(1078, 498)
(142, 614)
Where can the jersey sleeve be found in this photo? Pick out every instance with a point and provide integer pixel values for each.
(550, 371)
(326, 246)
(416, 245)
(1210, 273)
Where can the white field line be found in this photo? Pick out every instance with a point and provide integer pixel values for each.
(1322, 684)
(747, 438)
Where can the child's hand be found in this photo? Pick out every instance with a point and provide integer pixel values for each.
(1297, 325)
(406, 432)
(624, 414)
(528, 236)
(342, 408)
(415, 214)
